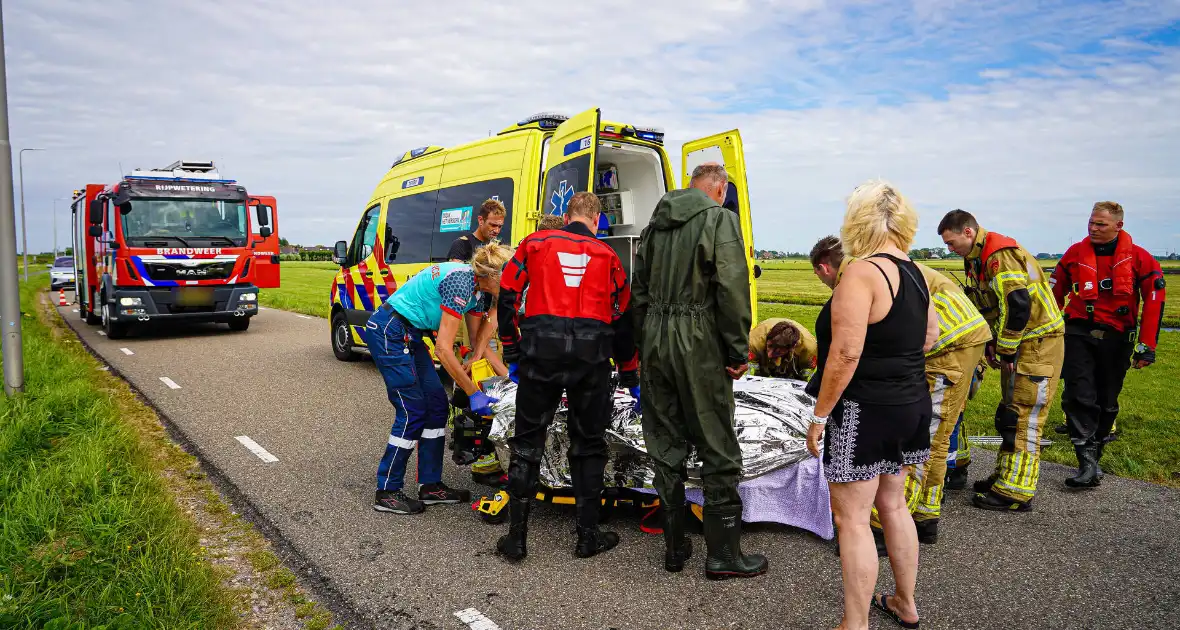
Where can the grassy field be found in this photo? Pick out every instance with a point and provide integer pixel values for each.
(792, 282)
(790, 289)
(306, 288)
(88, 532)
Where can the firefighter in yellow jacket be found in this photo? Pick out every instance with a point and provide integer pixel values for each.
(962, 335)
(782, 348)
(1013, 294)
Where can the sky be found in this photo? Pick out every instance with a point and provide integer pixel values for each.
(1024, 112)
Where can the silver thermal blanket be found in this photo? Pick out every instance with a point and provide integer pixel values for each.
(771, 420)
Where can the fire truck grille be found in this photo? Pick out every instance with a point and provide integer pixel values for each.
(178, 271)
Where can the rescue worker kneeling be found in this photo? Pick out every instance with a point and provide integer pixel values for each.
(576, 317)
(782, 348)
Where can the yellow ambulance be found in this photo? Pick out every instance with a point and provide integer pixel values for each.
(430, 197)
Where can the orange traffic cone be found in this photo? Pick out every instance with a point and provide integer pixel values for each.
(61, 297)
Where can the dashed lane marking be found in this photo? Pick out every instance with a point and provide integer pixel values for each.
(254, 447)
(169, 382)
(303, 316)
(126, 351)
(103, 333)
(476, 620)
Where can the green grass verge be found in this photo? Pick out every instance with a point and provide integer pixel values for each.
(306, 288)
(792, 282)
(89, 533)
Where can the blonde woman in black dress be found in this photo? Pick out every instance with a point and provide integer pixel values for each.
(873, 399)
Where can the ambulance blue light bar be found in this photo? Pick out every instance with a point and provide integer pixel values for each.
(651, 134)
(546, 120)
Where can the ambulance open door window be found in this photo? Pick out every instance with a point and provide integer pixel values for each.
(458, 213)
(411, 220)
(365, 237)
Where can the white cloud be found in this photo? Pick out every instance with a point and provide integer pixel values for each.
(312, 103)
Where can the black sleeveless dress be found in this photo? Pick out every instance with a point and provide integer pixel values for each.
(882, 420)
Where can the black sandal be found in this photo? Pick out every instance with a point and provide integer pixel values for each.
(881, 602)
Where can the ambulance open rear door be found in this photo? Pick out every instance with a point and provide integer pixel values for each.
(726, 148)
(570, 161)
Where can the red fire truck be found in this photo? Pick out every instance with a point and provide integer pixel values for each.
(177, 243)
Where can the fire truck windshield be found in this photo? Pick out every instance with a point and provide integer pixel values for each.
(185, 220)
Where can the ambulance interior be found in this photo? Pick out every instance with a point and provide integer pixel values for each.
(629, 180)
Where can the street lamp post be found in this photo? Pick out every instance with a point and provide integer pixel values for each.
(10, 325)
(24, 230)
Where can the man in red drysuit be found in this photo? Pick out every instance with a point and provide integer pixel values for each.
(1104, 277)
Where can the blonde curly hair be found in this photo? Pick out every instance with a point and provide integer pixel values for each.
(878, 216)
(489, 260)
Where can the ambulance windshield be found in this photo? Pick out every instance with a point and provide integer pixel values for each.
(185, 220)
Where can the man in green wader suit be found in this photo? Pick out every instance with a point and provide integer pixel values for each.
(691, 299)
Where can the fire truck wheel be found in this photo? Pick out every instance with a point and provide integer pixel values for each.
(239, 323)
(342, 339)
(113, 329)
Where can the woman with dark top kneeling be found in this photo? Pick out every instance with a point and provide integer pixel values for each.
(873, 335)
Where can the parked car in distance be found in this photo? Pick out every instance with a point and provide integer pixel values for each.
(61, 274)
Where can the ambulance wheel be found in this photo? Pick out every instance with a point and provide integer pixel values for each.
(342, 339)
(113, 329)
(239, 323)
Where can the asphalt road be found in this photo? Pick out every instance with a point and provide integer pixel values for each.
(1109, 558)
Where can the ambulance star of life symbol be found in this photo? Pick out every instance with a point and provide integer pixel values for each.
(561, 198)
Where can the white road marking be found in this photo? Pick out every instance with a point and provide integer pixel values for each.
(102, 333)
(304, 316)
(476, 620)
(75, 310)
(126, 351)
(262, 453)
(169, 382)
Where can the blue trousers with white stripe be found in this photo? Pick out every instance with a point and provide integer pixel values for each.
(419, 401)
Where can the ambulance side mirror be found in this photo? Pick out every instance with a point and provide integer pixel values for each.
(757, 271)
(392, 244)
(340, 252)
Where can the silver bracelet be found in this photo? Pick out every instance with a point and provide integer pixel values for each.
(818, 420)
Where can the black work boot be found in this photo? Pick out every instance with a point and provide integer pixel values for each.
(927, 531)
(997, 503)
(677, 546)
(723, 539)
(956, 478)
(1087, 476)
(523, 474)
(983, 485)
(593, 541)
(513, 545)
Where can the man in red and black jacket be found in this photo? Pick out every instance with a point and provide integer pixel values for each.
(575, 320)
(1104, 277)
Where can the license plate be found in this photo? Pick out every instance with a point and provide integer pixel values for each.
(194, 296)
